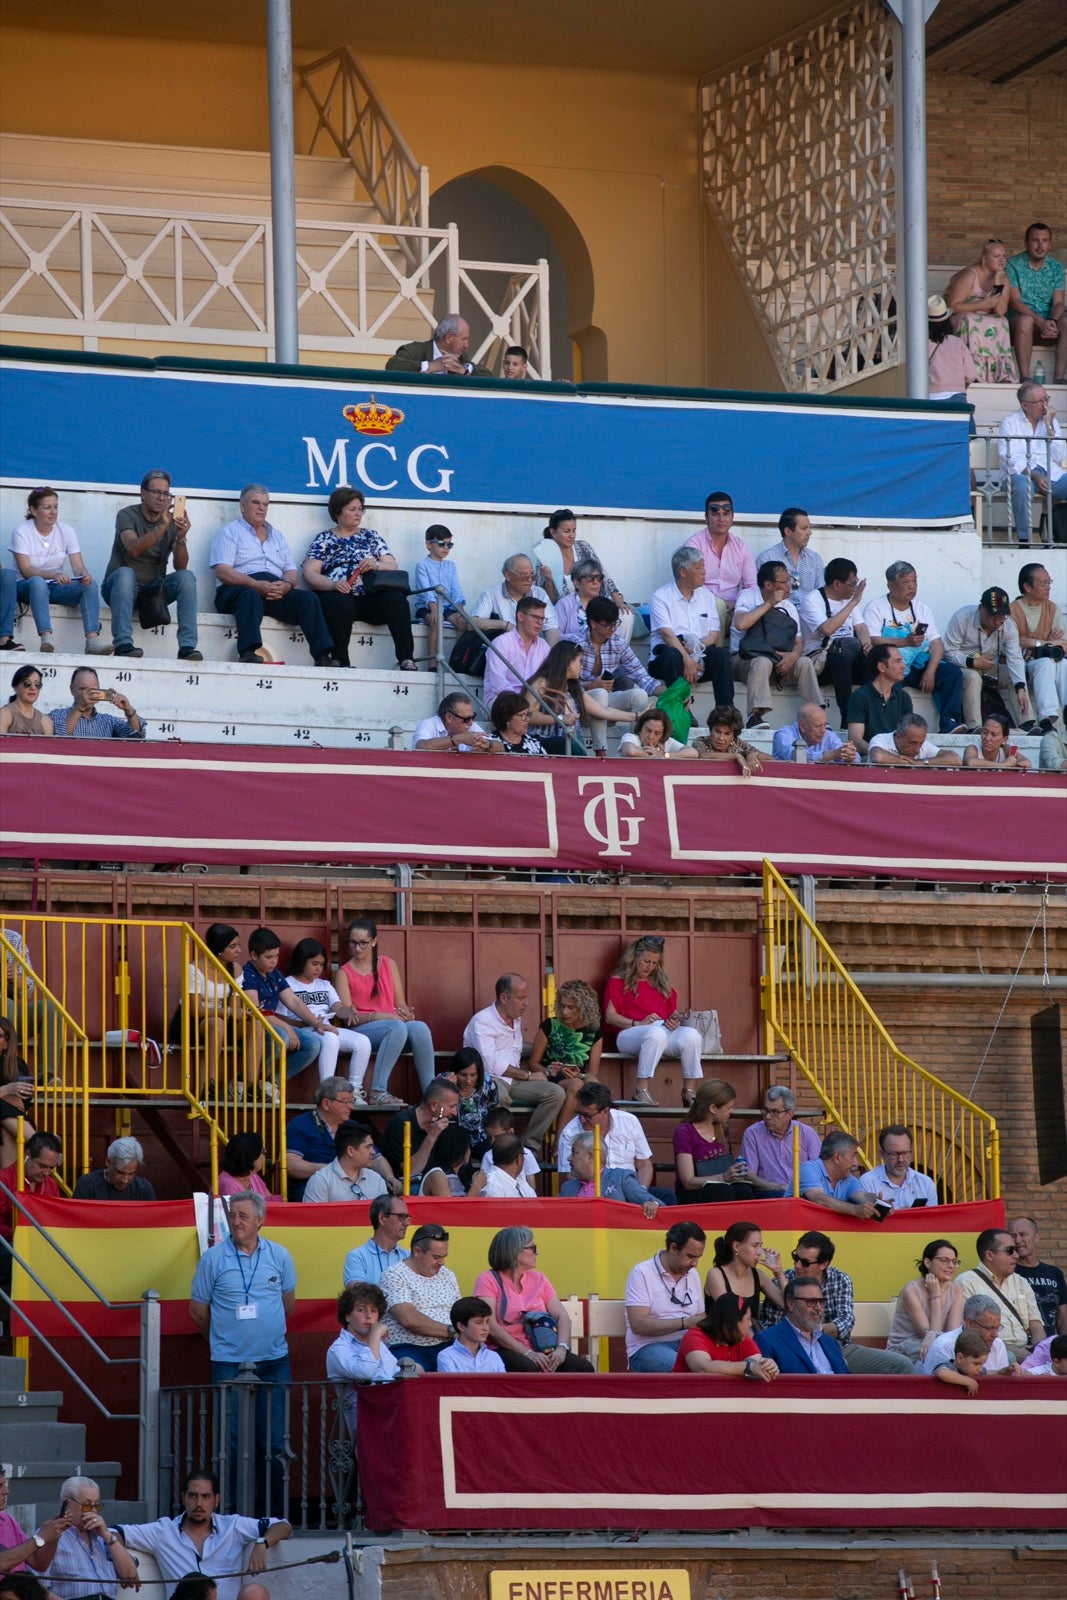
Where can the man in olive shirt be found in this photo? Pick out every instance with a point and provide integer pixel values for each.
(879, 706)
(147, 536)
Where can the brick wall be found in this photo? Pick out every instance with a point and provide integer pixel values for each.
(996, 156)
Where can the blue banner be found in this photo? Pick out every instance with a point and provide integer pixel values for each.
(494, 448)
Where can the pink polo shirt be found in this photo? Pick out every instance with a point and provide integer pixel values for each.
(728, 574)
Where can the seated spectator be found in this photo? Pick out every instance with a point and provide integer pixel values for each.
(828, 1180)
(428, 1120)
(455, 730)
(84, 719)
(437, 570)
(951, 365)
(650, 739)
(496, 1033)
(908, 746)
(118, 1180)
(557, 559)
(967, 1364)
(993, 749)
(15, 1548)
(420, 1293)
(198, 1586)
(664, 1299)
(515, 363)
(820, 743)
(622, 1138)
(722, 1344)
(255, 574)
(496, 608)
(728, 564)
(738, 1256)
(640, 1002)
(980, 1315)
(1033, 455)
(616, 1183)
(262, 980)
(929, 1305)
(686, 635)
(705, 1168)
(1049, 1359)
(978, 298)
(878, 706)
(610, 675)
(147, 537)
(9, 600)
(469, 1353)
(368, 1262)
(555, 683)
(723, 742)
(894, 1180)
(449, 1176)
(517, 656)
(308, 981)
(1048, 1282)
(359, 1354)
(338, 568)
(500, 1121)
(510, 715)
(591, 583)
(42, 1158)
(241, 1166)
(523, 1300)
(983, 642)
(16, 1093)
(309, 1137)
(1053, 751)
(900, 618)
(1043, 641)
(23, 1586)
(803, 565)
(995, 1274)
(21, 715)
(505, 1180)
(41, 546)
(87, 1546)
(568, 1044)
(798, 1344)
(371, 986)
(835, 641)
(766, 641)
(767, 1145)
(477, 1098)
(445, 355)
(1036, 306)
(350, 1175)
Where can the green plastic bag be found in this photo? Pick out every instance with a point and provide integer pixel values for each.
(675, 701)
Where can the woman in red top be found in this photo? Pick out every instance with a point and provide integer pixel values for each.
(723, 1344)
(640, 1002)
(372, 987)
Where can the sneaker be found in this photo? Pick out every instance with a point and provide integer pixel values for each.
(756, 720)
(268, 1092)
(128, 650)
(187, 653)
(381, 1097)
(251, 658)
(95, 646)
(1046, 725)
(46, 647)
(358, 1097)
(11, 644)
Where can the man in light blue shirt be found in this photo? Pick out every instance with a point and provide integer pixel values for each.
(895, 1182)
(805, 567)
(822, 744)
(469, 1354)
(256, 573)
(829, 1181)
(390, 1219)
(200, 1540)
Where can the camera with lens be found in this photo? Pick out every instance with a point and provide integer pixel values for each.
(1048, 652)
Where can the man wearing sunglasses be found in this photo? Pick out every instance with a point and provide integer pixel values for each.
(798, 1342)
(811, 1262)
(453, 731)
(1021, 1325)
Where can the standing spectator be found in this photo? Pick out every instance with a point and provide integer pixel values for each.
(686, 634)
(373, 989)
(767, 1145)
(21, 715)
(995, 1275)
(1033, 455)
(978, 297)
(728, 563)
(437, 570)
(339, 568)
(664, 1298)
(243, 1294)
(242, 1164)
(308, 981)
(87, 1545)
(834, 642)
(640, 1002)
(1048, 1282)
(41, 546)
(804, 565)
(983, 642)
(147, 536)
(350, 1175)
(1043, 641)
(765, 637)
(952, 369)
(85, 720)
(202, 1540)
(519, 1296)
(420, 1293)
(496, 1033)
(119, 1178)
(901, 619)
(812, 1260)
(1036, 302)
(256, 574)
(370, 1261)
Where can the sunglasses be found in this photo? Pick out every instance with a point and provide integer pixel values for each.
(458, 718)
(446, 544)
(804, 1261)
(650, 941)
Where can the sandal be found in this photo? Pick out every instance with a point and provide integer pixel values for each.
(381, 1097)
(642, 1097)
(688, 1096)
(407, 666)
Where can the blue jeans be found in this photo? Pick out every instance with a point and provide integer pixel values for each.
(424, 1354)
(269, 1435)
(120, 592)
(9, 599)
(38, 592)
(658, 1357)
(305, 1053)
(390, 1038)
(1022, 501)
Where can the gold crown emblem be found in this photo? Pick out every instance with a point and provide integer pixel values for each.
(370, 417)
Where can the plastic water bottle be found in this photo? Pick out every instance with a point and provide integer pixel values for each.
(800, 750)
(1039, 372)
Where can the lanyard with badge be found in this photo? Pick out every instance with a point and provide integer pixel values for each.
(248, 1312)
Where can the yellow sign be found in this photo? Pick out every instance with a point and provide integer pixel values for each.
(591, 1583)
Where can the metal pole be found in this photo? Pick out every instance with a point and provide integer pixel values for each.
(911, 217)
(282, 181)
(148, 1466)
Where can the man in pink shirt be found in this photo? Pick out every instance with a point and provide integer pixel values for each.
(729, 565)
(522, 647)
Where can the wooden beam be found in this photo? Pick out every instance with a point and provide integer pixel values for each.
(1034, 61)
(971, 27)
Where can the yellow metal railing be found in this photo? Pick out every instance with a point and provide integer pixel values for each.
(116, 1011)
(813, 1008)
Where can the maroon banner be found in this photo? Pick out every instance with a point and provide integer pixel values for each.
(638, 1451)
(177, 802)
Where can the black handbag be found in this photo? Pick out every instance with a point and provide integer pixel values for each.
(540, 1327)
(775, 633)
(152, 608)
(468, 655)
(387, 578)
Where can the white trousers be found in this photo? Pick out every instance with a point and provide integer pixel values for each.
(348, 1043)
(650, 1041)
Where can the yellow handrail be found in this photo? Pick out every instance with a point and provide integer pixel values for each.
(813, 1007)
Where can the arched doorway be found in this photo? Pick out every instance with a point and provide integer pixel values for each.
(504, 216)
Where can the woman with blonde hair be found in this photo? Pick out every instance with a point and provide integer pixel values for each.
(705, 1168)
(568, 1044)
(978, 299)
(640, 1002)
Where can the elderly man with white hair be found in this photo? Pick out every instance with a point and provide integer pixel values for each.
(443, 356)
(495, 610)
(90, 1558)
(118, 1179)
(767, 1145)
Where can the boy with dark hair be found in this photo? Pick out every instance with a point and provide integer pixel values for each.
(270, 989)
(967, 1364)
(469, 1353)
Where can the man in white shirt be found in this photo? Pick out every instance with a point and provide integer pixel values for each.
(895, 1180)
(983, 641)
(664, 1298)
(496, 606)
(505, 1180)
(899, 618)
(995, 1275)
(765, 636)
(908, 746)
(454, 730)
(518, 654)
(201, 1540)
(835, 643)
(685, 637)
(496, 1033)
(982, 1314)
(622, 1138)
(1032, 453)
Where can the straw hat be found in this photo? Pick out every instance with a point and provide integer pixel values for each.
(937, 309)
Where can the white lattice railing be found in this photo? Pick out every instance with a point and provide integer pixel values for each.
(521, 317)
(203, 278)
(798, 173)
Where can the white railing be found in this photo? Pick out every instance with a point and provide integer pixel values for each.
(204, 278)
(522, 317)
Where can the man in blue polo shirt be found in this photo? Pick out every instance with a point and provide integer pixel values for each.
(829, 1181)
(243, 1293)
(390, 1220)
(200, 1540)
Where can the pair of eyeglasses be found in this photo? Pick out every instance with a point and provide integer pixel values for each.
(404, 1216)
(592, 577)
(686, 1300)
(446, 544)
(802, 1261)
(458, 718)
(360, 944)
(651, 941)
(810, 1300)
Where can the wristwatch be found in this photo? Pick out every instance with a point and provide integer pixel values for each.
(262, 1541)
(38, 1541)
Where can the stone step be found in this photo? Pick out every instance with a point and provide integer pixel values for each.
(12, 1375)
(36, 1408)
(35, 1486)
(54, 1441)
